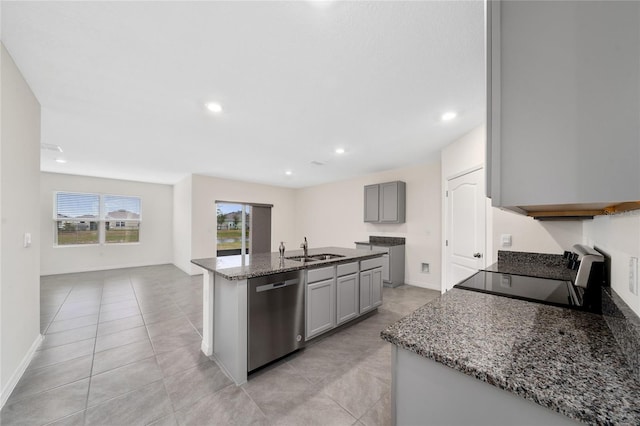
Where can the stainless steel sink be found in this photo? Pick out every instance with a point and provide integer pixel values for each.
(326, 256)
(302, 258)
(315, 257)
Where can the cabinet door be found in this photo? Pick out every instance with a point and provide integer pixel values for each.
(365, 290)
(320, 307)
(563, 88)
(347, 295)
(386, 267)
(388, 202)
(376, 287)
(392, 202)
(371, 203)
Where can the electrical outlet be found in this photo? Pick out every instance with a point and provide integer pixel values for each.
(505, 240)
(27, 239)
(633, 275)
(425, 268)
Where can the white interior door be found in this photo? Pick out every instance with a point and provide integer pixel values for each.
(465, 223)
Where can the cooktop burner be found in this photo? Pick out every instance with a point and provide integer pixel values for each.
(532, 289)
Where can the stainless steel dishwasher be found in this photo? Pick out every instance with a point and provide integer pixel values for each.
(275, 317)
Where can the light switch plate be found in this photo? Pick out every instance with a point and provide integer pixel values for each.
(633, 275)
(27, 239)
(505, 240)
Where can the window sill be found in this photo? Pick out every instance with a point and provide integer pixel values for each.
(55, 246)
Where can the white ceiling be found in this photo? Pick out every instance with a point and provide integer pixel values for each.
(123, 85)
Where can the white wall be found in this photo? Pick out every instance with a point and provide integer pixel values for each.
(19, 207)
(206, 190)
(182, 223)
(156, 229)
(527, 234)
(619, 237)
(332, 215)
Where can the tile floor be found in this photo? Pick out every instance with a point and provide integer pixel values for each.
(122, 347)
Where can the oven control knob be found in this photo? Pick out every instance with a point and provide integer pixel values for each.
(298, 338)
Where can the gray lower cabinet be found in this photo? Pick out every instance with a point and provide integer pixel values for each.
(392, 262)
(370, 289)
(338, 294)
(347, 298)
(320, 307)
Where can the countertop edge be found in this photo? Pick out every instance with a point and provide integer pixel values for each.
(405, 336)
(239, 277)
(519, 389)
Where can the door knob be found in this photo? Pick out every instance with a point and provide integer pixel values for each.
(477, 255)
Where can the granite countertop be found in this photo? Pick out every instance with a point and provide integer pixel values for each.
(540, 265)
(551, 272)
(383, 241)
(256, 265)
(563, 359)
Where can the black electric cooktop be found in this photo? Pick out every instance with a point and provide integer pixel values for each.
(532, 289)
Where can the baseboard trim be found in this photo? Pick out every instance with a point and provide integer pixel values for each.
(15, 378)
(105, 268)
(429, 286)
(224, 369)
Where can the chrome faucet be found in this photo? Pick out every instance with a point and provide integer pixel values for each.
(305, 247)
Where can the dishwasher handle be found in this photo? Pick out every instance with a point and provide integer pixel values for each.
(277, 285)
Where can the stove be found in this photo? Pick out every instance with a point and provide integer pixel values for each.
(532, 289)
(583, 292)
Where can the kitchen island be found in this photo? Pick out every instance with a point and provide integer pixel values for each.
(473, 358)
(225, 299)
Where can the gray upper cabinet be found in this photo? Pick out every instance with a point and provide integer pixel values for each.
(371, 202)
(385, 202)
(563, 103)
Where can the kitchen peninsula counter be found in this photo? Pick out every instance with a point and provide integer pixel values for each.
(562, 359)
(225, 300)
(260, 264)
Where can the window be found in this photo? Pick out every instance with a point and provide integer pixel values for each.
(96, 219)
(125, 212)
(243, 228)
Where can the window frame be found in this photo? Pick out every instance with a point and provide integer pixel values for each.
(100, 219)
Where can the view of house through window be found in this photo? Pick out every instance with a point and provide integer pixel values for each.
(233, 232)
(96, 219)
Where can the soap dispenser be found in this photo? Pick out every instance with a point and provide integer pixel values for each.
(281, 249)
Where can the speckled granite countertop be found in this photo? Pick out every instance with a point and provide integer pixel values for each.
(563, 359)
(383, 241)
(256, 265)
(541, 265)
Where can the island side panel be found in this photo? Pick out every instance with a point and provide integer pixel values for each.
(207, 312)
(230, 327)
(425, 389)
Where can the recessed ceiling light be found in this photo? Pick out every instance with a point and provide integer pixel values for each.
(288, 173)
(449, 115)
(61, 160)
(214, 107)
(339, 150)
